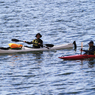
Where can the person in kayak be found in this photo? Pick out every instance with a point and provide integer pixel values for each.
(37, 43)
(91, 50)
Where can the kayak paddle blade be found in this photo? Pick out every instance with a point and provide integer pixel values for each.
(16, 40)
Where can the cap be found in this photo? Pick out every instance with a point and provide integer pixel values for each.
(91, 42)
(38, 34)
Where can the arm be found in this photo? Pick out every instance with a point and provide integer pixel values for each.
(41, 43)
(91, 51)
(28, 42)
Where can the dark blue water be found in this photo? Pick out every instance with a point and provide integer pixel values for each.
(59, 21)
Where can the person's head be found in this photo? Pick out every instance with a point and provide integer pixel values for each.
(38, 35)
(91, 43)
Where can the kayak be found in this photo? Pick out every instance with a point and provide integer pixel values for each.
(77, 57)
(31, 49)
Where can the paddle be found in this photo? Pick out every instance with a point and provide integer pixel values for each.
(16, 40)
(81, 47)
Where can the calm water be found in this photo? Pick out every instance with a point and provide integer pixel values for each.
(59, 21)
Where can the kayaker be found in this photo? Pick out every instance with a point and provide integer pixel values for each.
(91, 50)
(37, 43)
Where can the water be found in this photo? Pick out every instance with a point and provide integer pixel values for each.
(59, 21)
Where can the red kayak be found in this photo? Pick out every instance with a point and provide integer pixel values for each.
(77, 57)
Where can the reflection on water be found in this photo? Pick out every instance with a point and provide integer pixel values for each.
(91, 63)
(16, 58)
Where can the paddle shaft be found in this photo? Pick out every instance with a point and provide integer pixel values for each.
(81, 47)
(16, 40)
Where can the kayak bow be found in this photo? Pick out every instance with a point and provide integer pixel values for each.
(77, 57)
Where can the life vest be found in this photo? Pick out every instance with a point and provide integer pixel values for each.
(13, 45)
(35, 42)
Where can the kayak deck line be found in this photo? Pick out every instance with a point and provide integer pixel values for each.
(77, 57)
(24, 49)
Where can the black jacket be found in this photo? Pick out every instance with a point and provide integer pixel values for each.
(91, 51)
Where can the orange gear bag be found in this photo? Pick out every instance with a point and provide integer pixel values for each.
(13, 45)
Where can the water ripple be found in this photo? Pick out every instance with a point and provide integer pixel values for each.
(43, 73)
